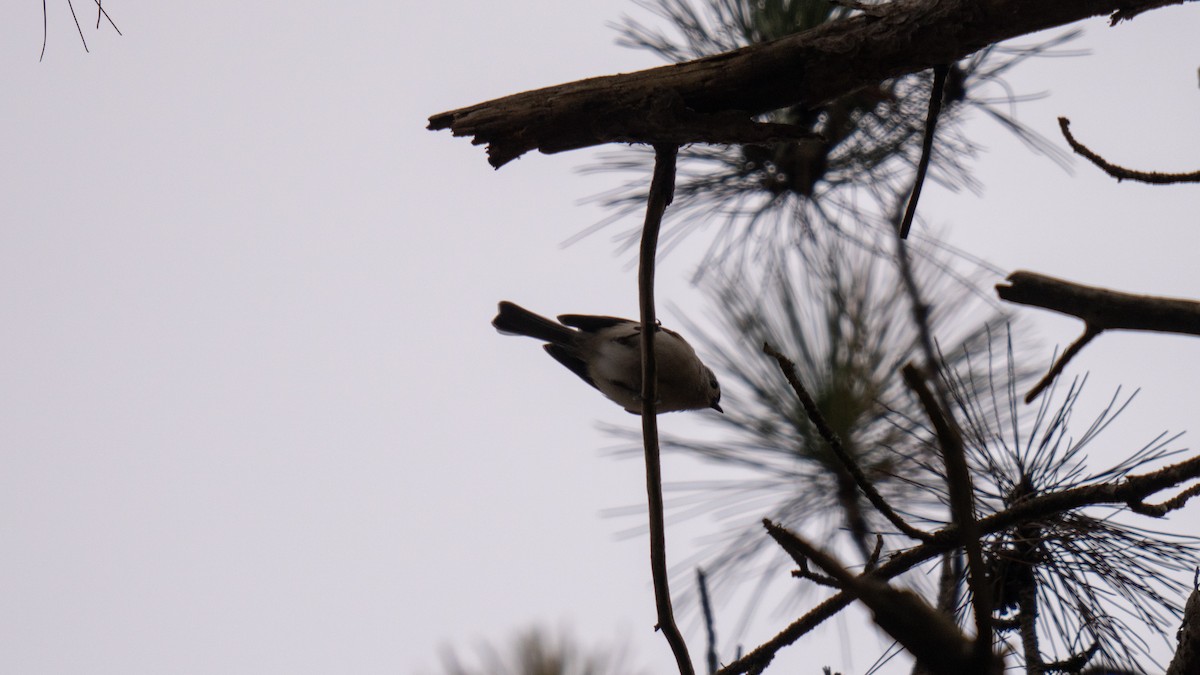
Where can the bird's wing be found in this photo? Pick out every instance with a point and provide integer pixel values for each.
(590, 323)
(572, 362)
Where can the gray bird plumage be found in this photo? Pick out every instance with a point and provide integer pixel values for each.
(605, 352)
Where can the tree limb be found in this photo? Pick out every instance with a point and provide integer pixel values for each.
(831, 60)
(930, 636)
(1129, 490)
(1102, 309)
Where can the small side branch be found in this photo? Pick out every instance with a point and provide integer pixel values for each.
(1062, 361)
(1172, 504)
(935, 109)
(814, 415)
(1100, 309)
(662, 188)
(1120, 172)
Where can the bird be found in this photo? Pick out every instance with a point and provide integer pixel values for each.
(606, 352)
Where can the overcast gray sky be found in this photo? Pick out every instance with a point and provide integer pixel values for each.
(252, 415)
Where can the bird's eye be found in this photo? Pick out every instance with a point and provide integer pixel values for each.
(713, 383)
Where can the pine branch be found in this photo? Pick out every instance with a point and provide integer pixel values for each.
(713, 99)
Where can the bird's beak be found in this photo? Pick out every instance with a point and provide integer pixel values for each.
(717, 407)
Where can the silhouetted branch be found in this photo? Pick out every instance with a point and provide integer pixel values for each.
(1100, 309)
(788, 368)
(1120, 172)
(962, 506)
(710, 622)
(662, 187)
(834, 59)
(1172, 504)
(1129, 490)
(930, 636)
(935, 109)
(1061, 362)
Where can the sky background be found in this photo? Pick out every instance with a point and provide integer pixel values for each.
(253, 417)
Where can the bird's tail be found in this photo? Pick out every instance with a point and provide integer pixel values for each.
(516, 320)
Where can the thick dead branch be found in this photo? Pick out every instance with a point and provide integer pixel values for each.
(711, 100)
(1120, 172)
(1100, 308)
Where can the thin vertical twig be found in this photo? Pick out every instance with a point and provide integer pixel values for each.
(45, 31)
(662, 189)
(935, 109)
(78, 27)
(710, 623)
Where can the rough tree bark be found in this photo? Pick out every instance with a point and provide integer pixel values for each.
(711, 100)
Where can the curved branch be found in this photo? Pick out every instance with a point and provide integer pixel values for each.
(1120, 172)
(662, 189)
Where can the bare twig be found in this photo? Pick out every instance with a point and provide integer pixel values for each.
(45, 31)
(1172, 504)
(710, 623)
(662, 187)
(100, 11)
(78, 27)
(785, 540)
(931, 118)
(962, 505)
(875, 553)
(1120, 172)
(1061, 362)
(816, 578)
(788, 368)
